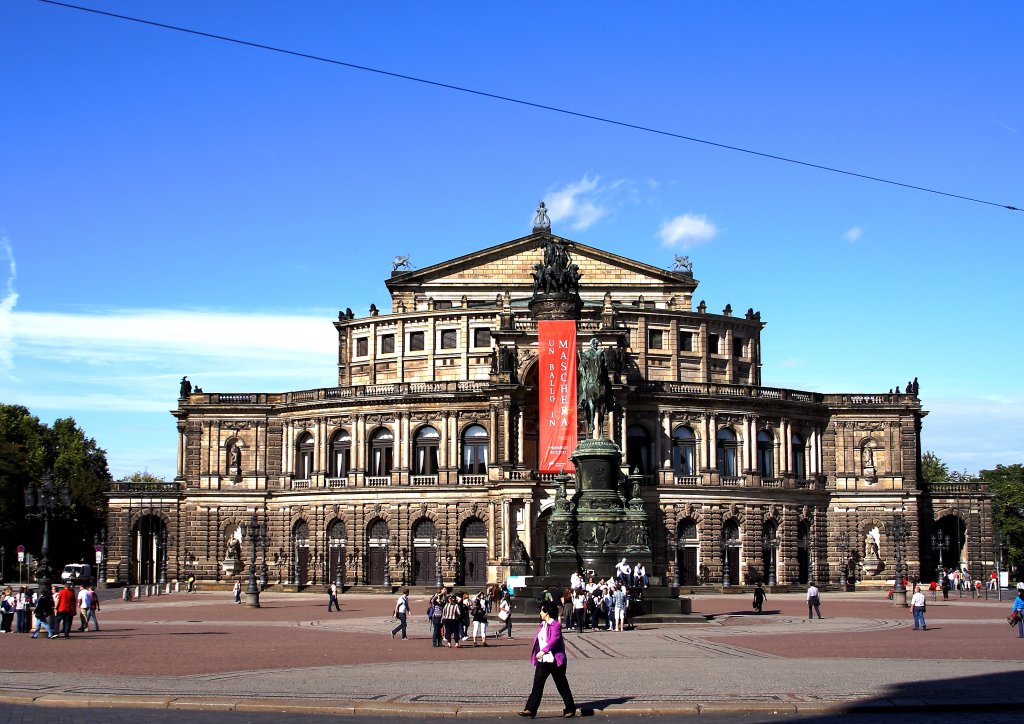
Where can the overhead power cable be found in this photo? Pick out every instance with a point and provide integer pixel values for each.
(519, 101)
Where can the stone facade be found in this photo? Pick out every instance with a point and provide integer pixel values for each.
(421, 463)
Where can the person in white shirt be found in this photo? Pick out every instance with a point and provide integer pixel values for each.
(813, 601)
(84, 604)
(917, 605)
(402, 615)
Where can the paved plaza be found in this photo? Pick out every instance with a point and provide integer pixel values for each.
(203, 652)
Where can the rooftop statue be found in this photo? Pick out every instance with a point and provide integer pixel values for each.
(556, 274)
(541, 222)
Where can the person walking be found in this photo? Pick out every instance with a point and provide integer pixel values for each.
(759, 597)
(402, 614)
(579, 603)
(813, 601)
(8, 604)
(237, 591)
(505, 616)
(917, 605)
(94, 607)
(437, 604)
(23, 610)
(450, 617)
(1018, 608)
(332, 598)
(84, 604)
(65, 605)
(946, 585)
(548, 659)
(43, 610)
(479, 616)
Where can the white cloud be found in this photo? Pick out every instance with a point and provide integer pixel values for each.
(578, 203)
(975, 433)
(687, 231)
(7, 307)
(853, 234)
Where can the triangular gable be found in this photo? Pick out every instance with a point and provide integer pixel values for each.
(510, 266)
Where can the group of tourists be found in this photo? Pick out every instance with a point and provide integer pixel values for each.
(25, 611)
(456, 618)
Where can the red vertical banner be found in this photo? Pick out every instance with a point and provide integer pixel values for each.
(556, 345)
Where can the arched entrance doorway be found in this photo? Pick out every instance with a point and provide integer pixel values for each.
(300, 553)
(149, 551)
(954, 537)
(337, 541)
(377, 551)
(803, 552)
(424, 553)
(474, 553)
(688, 553)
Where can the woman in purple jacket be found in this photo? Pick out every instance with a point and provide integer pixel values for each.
(548, 658)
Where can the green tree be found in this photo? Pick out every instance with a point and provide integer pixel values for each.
(1007, 483)
(28, 449)
(141, 476)
(933, 470)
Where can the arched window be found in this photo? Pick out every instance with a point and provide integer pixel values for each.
(684, 451)
(378, 531)
(725, 448)
(425, 451)
(765, 454)
(423, 530)
(474, 451)
(638, 450)
(798, 451)
(474, 528)
(341, 454)
(337, 533)
(381, 453)
(304, 457)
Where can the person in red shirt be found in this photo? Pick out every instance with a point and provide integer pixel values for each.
(65, 605)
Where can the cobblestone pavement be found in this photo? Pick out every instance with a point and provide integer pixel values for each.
(201, 652)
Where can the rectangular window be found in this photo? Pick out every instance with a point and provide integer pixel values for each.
(362, 347)
(387, 344)
(449, 338)
(686, 341)
(738, 344)
(654, 338)
(443, 304)
(713, 343)
(416, 340)
(481, 338)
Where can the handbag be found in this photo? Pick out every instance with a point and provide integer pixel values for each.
(503, 615)
(548, 658)
(1014, 618)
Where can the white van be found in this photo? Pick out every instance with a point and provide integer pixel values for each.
(78, 573)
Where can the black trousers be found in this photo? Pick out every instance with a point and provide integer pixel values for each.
(540, 675)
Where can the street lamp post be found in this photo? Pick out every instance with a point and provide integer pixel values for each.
(1002, 541)
(725, 563)
(898, 531)
(768, 541)
(256, 533)
(42, 501)
(843, 544)
(940, 544)
(437, 560)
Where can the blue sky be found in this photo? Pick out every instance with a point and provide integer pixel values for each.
(172, 205)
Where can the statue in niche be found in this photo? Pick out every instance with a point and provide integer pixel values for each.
(870, 546)
(235, 458)
(234, 552)
(594, 389)
(519, 550)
